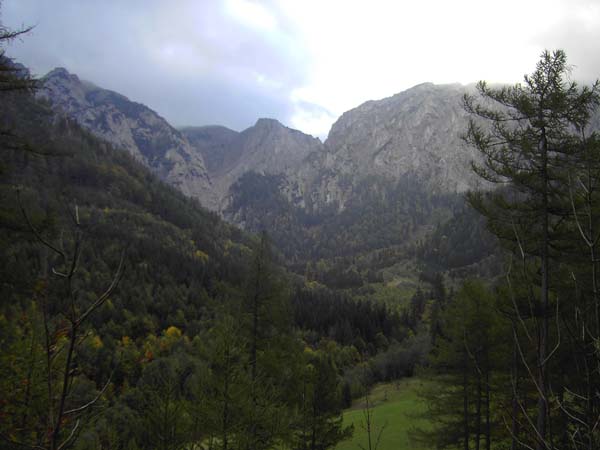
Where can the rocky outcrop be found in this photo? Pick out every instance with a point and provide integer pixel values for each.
(132, 127)
(214, 142)
(416, 131)
(414, 135)
(268, 147)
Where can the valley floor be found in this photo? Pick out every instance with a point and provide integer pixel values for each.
(396, 407)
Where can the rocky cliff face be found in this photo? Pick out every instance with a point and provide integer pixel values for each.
(215, 143)
(415, 132)
(133, 127)
(389, 172)
(411, 135)
(414, 135)
(268, 147)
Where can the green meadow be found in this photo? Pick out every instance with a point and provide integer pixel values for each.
(397, 408)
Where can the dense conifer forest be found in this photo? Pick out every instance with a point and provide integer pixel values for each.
(133, 318)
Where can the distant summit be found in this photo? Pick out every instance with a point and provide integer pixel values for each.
(267, 147)
(58, 72)
(132, 127)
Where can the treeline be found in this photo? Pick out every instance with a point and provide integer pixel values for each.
(461, 245)
(381, 214)
(368, 326)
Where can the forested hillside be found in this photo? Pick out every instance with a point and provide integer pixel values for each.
(133, 318)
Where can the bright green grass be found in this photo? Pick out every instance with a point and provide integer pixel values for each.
(395, 404)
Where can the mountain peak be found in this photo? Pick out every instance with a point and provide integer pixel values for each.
(132, 127)
(265, 122)
(60, 72)
(415, 133)
(425, 85)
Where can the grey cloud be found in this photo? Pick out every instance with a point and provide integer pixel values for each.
(231, 74)
(578, 39)
(212, 101)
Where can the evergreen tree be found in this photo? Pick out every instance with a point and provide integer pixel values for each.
(220, 392)
(579, 257)
(271, 350)
(319, 424)
(13, 77)
(163, 416)
(531, 131)
(468, 361)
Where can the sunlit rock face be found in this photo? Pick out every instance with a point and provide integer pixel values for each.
(132, 127)
(415, 134)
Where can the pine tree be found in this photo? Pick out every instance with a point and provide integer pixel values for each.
(529, 135)
(13, 77)
(467, 361)
(271, 350)
(220, 392)
(579, 401)
(319, 423)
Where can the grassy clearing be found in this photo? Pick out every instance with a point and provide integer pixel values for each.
(395, 404)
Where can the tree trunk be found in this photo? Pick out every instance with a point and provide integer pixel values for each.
(225, 417)
(542, 407)
(514, 429)
(488, 426)
(465, 404)
(478, 414)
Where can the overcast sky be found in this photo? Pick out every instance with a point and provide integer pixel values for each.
(303, 62)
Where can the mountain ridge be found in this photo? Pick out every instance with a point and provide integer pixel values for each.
(134, 127)
(414, 134)
(266, 147)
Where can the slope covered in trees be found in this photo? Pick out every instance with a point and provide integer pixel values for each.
(133, 318)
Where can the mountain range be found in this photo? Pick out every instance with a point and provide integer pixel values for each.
(414, 133)
(389, 173)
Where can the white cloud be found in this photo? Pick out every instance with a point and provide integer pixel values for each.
(312, 120)
(252, 14)
(368, 50)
